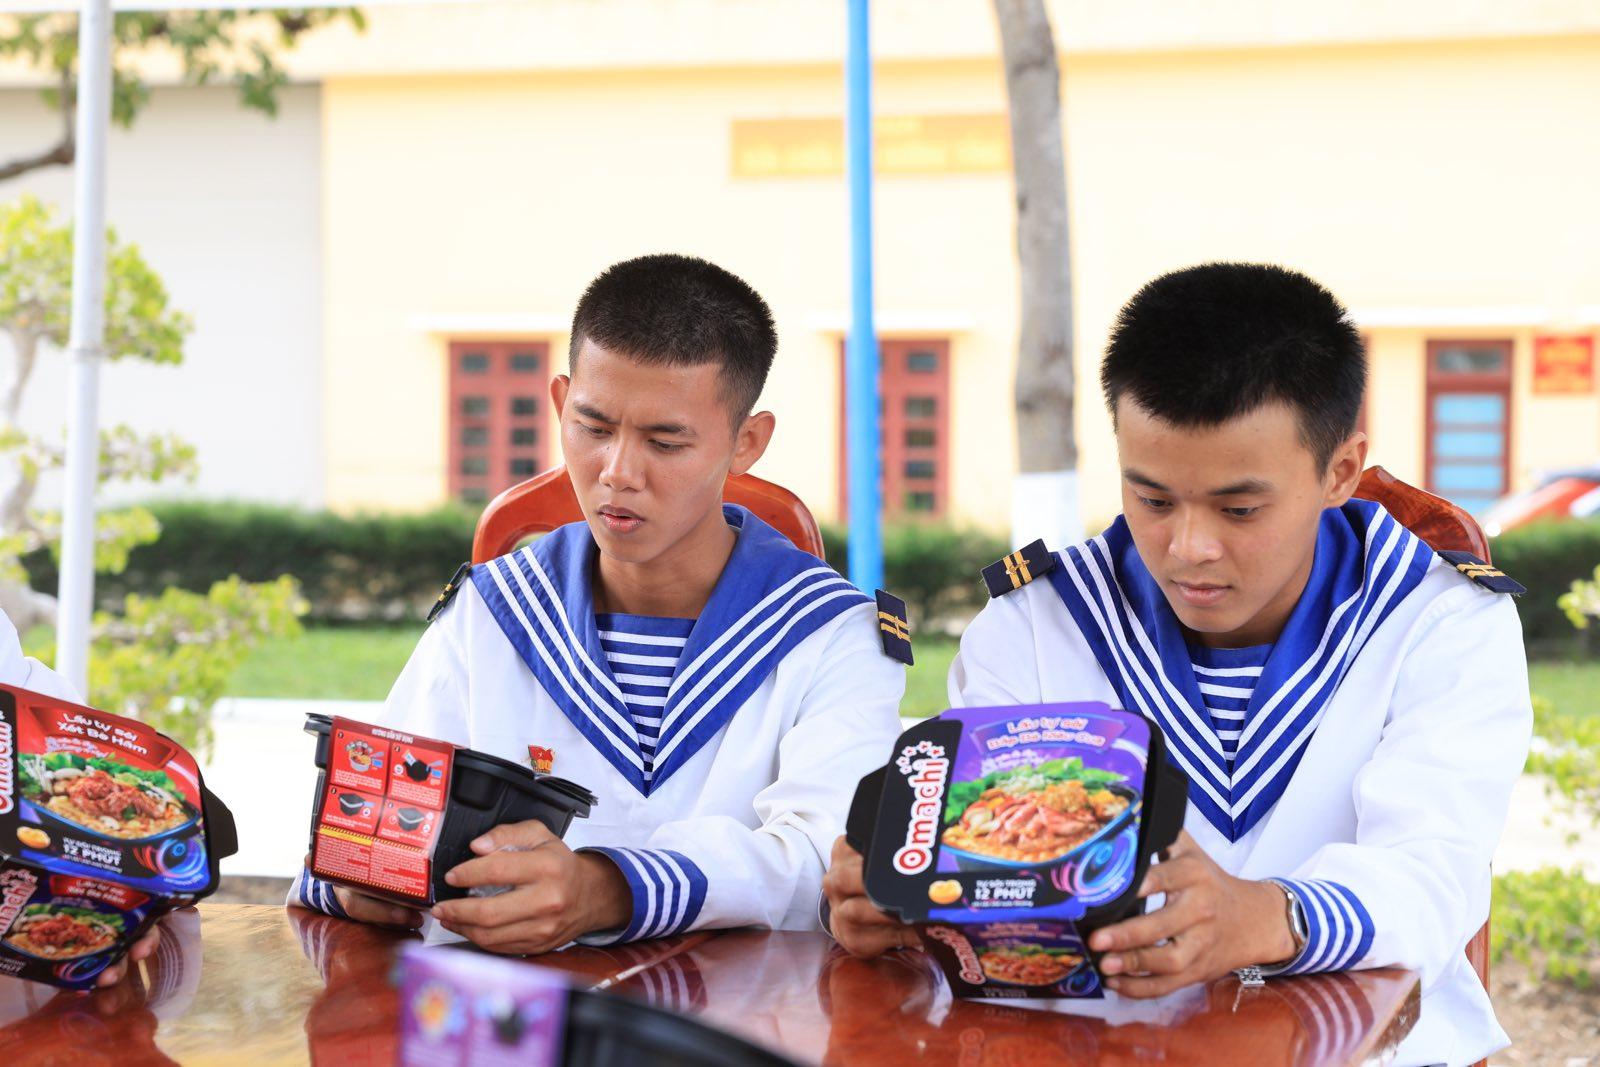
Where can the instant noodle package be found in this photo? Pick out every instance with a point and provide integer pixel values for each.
(395, 812)
(463, 1007)
(1008, 835)
(105, 826)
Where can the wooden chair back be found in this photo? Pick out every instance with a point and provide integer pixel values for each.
(1445, 526)
(547, 500)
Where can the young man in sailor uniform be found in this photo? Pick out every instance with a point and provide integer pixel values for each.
(719, 689)
(1351, 708)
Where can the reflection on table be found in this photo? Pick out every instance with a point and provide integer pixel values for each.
(262, 985)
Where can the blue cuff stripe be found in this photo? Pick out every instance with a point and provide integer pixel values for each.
(694, 881)
(1363, 925)
(1338, 927)
(668, 890)
(662, 897)
(315, 894)
(670, 894)
(1330, 934)
(642, 890)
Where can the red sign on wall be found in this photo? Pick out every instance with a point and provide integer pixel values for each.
(1563, 364)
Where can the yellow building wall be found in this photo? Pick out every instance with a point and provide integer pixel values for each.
(1427, 184)
(474, 198)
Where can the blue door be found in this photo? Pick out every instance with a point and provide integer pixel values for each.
(1469, 385)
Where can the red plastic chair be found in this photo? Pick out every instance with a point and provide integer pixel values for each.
(1444, 526)
(547, 500)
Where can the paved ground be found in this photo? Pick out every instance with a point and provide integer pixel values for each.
(262, 769)
(1534, 837)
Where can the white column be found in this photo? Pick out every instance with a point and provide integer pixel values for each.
(86, 343)
(1045, 504)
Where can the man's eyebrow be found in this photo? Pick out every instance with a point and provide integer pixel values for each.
(669, 429)
(1244, 488)
(1240, 488)
(665, 429)
(1145, 480)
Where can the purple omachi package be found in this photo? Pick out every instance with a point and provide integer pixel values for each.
(1009, 834)
(460, 1007)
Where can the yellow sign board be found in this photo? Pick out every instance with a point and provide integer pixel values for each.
(901, 144)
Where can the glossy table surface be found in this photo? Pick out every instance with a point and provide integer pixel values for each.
(265, 985)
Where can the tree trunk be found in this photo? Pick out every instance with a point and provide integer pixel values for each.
(64, 152)
(25, 607)
(1045, 494)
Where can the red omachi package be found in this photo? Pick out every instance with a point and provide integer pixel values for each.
(395, 812)
(380, 810)
(105, 826)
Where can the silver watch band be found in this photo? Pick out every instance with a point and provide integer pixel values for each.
(1255, 974)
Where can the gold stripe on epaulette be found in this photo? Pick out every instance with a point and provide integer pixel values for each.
(893, 624)
(1017, 570)
(1479, 570)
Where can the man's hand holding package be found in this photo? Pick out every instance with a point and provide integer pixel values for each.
(859, 926)
(1211, 924)
(556, 895)
(363, 908)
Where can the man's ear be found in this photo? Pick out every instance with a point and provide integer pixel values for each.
(750, 441)
(1344, 471)
(558, 392)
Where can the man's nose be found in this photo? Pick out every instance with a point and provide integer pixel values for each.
(623, 468)
(1193, 542)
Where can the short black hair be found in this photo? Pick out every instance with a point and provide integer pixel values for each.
(672, 309)
(1206, 344)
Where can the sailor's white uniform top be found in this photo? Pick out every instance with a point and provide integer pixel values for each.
(1375, 755)
(25, 672)
(780, 700)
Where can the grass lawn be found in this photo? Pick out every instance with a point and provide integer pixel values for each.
(361, 664)
(1574, 688)
(329, 664)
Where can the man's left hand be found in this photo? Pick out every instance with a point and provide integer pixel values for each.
(556, 895)
(1211, 924)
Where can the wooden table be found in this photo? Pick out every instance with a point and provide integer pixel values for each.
(264, 985)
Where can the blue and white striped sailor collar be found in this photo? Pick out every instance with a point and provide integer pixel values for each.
(770, 597)
(1365, 564)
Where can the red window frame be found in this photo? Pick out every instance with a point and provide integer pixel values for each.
(898, 384)
(495, 371)
(1493, 384)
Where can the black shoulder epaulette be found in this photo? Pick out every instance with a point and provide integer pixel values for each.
(1490, 577)
(451, 588)
(1018, 569)
(893, 629)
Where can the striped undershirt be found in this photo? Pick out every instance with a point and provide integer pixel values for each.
(643, 652)
(1227, 678)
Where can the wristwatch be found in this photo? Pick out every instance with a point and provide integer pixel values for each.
(1254, 975)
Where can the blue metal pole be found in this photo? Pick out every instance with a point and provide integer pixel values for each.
(861, 349)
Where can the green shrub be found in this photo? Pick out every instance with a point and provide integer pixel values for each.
(935, 568)
(1548, 557)
(388, 568)
(351, 567)
(1550, 920)
(1566, 750)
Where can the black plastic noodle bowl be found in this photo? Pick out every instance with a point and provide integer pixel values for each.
(603, 1030)
(485, 791)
